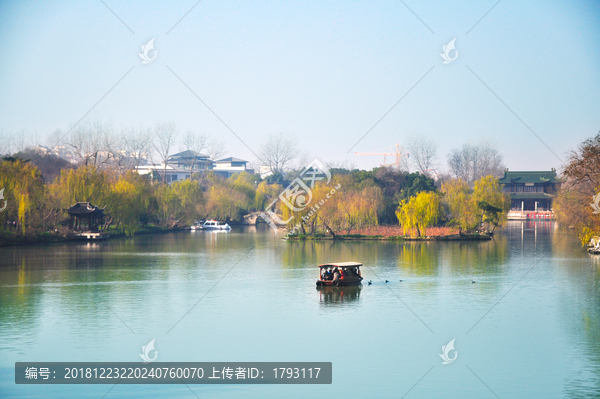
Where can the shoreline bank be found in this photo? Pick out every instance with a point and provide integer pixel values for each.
(8, 239)
(360, 237)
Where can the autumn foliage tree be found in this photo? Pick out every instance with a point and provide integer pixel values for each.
(460, 204)
(340, 205)
(574, 204)
(492, 204)
(486, 205)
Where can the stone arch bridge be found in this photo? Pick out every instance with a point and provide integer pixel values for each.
(254, 217)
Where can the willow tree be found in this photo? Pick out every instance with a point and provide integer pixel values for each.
(169, 204)
(191, 200)
(419, 212)
(359, 208)
(23, 191)
(461, 205)
(225, 202)
(304, 208)
(265, 193)
(83, 184)
(129, 202)
(485, 205)
(493, 205)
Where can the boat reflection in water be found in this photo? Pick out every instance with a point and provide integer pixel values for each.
(329, 295)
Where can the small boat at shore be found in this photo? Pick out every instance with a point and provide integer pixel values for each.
(210, 225)
(339, 274)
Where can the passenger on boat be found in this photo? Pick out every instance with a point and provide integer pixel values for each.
(336, 274)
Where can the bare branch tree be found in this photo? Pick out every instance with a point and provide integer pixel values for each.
(165, 137)
(137, 145)
(6, 147)
(423, 153)
(23, 140)
(491, 160)
(93, 143)
(303, 159)
(53, 139)
(279, 151)
(405, 163)
(196, 143)
(473, 161)
(459, 162)
(345, 165)
(215, 149)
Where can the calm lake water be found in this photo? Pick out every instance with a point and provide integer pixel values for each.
(529, 327)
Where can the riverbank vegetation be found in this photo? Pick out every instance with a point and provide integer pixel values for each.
(132, 201)
(352, 201)
(577, 205)
(98, 163)
(359, 202)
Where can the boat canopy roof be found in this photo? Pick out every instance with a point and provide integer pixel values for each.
(341, 264)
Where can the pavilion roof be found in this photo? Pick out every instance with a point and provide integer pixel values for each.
(539, 177)
(85, 208)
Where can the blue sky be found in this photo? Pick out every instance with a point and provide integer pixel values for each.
(324, 71)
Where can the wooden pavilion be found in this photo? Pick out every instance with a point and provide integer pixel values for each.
(87, 221)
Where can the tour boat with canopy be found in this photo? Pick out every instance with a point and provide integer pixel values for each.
(339, 274)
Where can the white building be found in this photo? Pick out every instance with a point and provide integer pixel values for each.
(228, 166)
(265, 171)
(180, 167)
(155, 172)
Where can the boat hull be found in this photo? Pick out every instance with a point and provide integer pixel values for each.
(338, 283)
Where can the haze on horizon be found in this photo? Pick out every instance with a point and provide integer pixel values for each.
(325, 72)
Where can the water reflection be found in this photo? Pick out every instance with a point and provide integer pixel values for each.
(580, 311)
(419, 258)
(338, 295)
(77, 301)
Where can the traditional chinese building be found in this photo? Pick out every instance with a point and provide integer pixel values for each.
(531, 193)
(87, 221)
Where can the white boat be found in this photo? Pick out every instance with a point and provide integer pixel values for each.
(211, 225)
